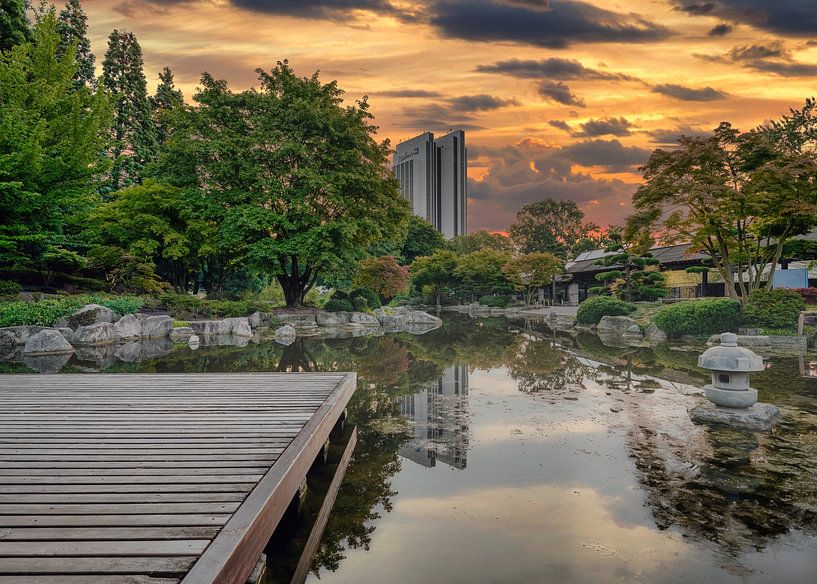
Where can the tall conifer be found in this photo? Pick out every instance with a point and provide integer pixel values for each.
(133, 133)
(72, 25)
(14, 26)
(167, 98)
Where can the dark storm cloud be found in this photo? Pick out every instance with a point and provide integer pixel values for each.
(787, 17)
(770, 57)
(560, 93)
(689, 93)
(720, 30)
(554, 24)
(610, 154)
(453, 113)
(419, 93)
(321, 9)
(477, 103)
(552, 68)
(605, 127)
(670, 136)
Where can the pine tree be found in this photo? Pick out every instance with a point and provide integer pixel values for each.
(73, 28)
(133, 133)
(14, 26)
(167, 98)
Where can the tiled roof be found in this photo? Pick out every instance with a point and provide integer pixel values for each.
(588, 261)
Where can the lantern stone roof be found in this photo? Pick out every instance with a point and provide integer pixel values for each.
(729, 357)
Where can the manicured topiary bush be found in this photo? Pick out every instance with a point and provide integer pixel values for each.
(494, 301)
(778, 308)
(338, 305)
(359, 304)
(372, 299)
(593, 309)
(699, 317)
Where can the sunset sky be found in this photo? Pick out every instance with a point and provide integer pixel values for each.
(558, 98)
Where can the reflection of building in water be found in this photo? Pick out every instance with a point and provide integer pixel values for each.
(440, 416)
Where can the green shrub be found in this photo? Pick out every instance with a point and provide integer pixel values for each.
(338, 305)
(778, 308)
(360, 304)
(494, 301)
(47, 311)
(185, 307)
(94, 284)
(699, 317)
(593, 309)
(120, 304)
(9, 288)
(372, 299)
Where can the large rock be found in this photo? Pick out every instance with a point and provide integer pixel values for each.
(208, 328)
(100, 333)
(91, 314)
(23, 332)
(297, 319)
(655, 335)
(617, 325)
(68, 333)
(7, 338)
(285, 335)
(333, 318)
(783, 344)
(404, 318)
(47, 342)
(364, 318)
(181, 334)
(157, 327)
(259, 319)
(239, 326)
(127, 328)
(760, 416)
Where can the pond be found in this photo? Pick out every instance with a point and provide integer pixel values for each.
(499, 451)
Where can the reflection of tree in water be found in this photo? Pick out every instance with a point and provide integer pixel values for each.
(296, 358)
(538, 366)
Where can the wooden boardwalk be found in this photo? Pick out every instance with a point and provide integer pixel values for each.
(153, 478)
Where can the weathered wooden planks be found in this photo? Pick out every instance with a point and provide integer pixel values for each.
(113, 479)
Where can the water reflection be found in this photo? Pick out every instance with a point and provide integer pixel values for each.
(561, 458)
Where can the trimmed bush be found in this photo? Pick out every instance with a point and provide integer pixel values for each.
(46, 312)
(699, 317)
(494, 301)
(593, 309)
(360, 304)
(338, 305)
(186, 307)
(778, 308)
(9, 288)
(372, 299)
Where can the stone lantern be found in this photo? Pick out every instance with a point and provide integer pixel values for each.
(730, 366)
(733, 402)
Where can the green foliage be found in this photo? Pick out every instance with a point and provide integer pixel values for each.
(551, 226)
(287, 159)
(338, 305)
(167, 99)
(593, 309)
(133, 133)
(481, 273)
(52, 139)
(465, 244)
(72, 25)
(630, 279)
(360, 303)
(47, 312)
(383, 275)
(421, 240)
(186, 306)
(436, 272)
(699, 317)
(9, 288)
(494, 301)
(532, 271)
(14, 25)
(369, 295)
(778, 308)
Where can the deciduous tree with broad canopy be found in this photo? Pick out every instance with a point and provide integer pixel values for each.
(384, 275)
(552, 226)
(435, 272)
(292, 175)
(529, 272)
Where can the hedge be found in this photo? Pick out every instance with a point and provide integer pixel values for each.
(593, 309)
(699, 317)
(47, 312)
(494, 301)
(338, 305)
(778, 308)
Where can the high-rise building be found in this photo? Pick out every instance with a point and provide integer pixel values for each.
(433, 179)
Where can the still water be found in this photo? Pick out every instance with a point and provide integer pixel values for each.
(494, 451)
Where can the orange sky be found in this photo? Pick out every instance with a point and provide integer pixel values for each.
(558, 98)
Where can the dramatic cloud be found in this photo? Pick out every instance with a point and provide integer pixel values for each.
(770, 57)
(321, 9)
(670, 136)
(560, 93)
(454, 113)
(787, 17)
(419, 93)
(561, 125)
(552, 68)
(477, 103)
(554, 24)
(605, 127)
(689, 93)
(720, 30)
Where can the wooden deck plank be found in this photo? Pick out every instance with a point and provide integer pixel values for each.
(115, 479)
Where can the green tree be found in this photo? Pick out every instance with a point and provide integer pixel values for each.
(298, 179)
(72, 26)
(167, 98)
(530, 272)
(481, 273)
(51, 140)
(737, 197)
(14, 26)
(435, 272)
(552, 226)
(133, 133)
(630, 278)
(464, 244)
(421, 240)
(384, 275)
(152, 221)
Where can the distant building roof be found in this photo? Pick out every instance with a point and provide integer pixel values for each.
(668, 254)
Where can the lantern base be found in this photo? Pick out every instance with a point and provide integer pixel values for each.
(758, 417)
(731, 398)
